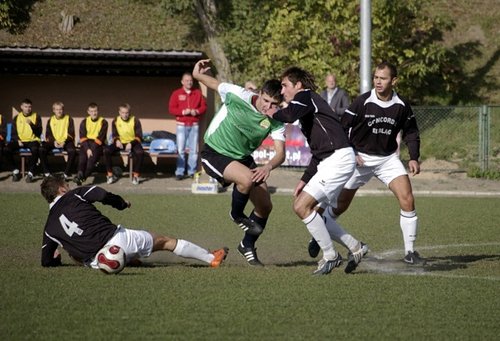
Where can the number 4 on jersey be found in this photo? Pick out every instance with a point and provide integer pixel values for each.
(69, 227)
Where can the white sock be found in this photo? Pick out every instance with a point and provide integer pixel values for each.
(316, 226)
(187, 249)
(337, 233)
(408, 223)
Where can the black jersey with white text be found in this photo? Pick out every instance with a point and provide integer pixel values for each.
(373, 125)
(319, 124)
(77, 225)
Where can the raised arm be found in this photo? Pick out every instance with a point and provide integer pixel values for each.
(199, 73)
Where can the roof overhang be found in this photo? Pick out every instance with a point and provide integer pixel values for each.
(65, 61)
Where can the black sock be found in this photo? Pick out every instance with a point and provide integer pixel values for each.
(238, 203)
(249, 240)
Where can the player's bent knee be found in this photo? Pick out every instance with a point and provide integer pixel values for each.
(163, 243)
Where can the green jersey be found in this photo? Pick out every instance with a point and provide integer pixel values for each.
(238, 128)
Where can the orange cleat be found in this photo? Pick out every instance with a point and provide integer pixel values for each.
(219, 256)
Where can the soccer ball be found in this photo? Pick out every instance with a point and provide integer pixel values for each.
(111, 259)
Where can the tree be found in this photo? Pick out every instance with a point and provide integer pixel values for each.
(320, 36)
(15, 15)
(324, 35)
(257, 39)
(206, 11)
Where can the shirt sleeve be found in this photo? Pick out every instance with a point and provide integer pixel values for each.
(49, 137)
(48, 248)
(37, 127)
(101, 138)
(411, 135)
(278, 133)
(225, 88)
(83, 131)
(300, 106)
(173, 104)
(138, 130)
(71, 130)
(96, 193)
(202, 104)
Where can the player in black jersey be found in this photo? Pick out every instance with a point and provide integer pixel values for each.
(332, 162)
(75, 224)
(374, 120)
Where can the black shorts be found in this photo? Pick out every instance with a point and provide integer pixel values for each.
(215, 163)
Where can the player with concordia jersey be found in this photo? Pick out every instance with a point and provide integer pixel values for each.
(374, 120)
(82, 230)
(235, 132)
(332, 162)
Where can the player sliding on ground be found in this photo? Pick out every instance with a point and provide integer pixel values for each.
(238, 128)
(82, 230)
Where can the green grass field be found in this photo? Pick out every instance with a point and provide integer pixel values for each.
(455, 297)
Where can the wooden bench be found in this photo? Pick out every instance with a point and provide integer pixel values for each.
(26, 152)
(127, 158)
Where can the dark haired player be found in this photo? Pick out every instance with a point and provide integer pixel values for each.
(237, 129)
(374, 120)
(332, 163)
(82, 230)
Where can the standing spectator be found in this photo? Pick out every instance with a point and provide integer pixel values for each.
(238, 128)
(127, 135)
(337, 98)
(187, 104)
(93, 131)
(375, 118)
(26, 133)
(59, 133)
(332, 162)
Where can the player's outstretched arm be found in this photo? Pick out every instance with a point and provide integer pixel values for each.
(115, 201)
(262, 173)
(200, 74)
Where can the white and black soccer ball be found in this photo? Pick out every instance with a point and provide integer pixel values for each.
(111, 259)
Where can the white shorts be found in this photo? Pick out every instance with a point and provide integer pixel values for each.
(385, 168)
(333, 172)
(135, 243)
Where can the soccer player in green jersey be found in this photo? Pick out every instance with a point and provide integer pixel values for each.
(238, 128)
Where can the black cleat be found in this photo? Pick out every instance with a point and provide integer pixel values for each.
(250, 255)
(413, 258)
(313, 248)
(248, 225)
(77, 180)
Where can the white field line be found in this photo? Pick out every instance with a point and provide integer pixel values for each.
(382, 263)
(436, 247)
(384, 192)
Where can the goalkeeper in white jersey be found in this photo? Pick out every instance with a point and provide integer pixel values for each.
(238, 128)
